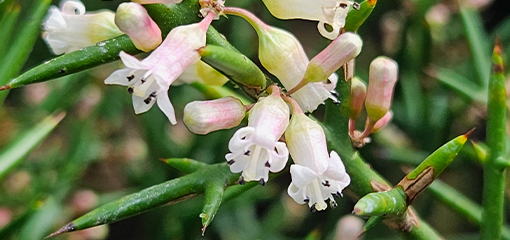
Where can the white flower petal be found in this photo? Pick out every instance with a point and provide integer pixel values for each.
(54, 20)
(166, 106)
(298, 194)
(144, 103)
(301, 175)
(241, 138)
(119, 77)
(131, 61)
(278, 158)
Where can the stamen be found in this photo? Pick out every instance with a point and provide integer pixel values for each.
(252, 170)
(262, 182)
(343, 5)
(241, 180)
(333, 204)
(130, 90)
(267, 164)
(129, 78)
(355, 5)
(147, 100)
(230, 162)
(320, 205)
(247, 153)
(326, 183)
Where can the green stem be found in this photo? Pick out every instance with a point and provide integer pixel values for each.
(494, 173)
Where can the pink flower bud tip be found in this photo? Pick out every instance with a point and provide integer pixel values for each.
(133, 19)
(202, 117)
(383, 76)
(358, 95)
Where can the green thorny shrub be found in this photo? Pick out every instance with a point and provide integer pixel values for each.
(256, 129)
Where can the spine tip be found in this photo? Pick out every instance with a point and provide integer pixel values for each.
(6, 87)
(469, 133)
(67, 228)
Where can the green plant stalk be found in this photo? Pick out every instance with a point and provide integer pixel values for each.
(23, 43)
(13, 154)
(494, 173)
(461, 204)
(336, 129)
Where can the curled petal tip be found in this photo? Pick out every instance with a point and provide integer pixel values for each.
(67, 228)
(469, 133)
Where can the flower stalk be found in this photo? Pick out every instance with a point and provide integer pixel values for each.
(493, 172)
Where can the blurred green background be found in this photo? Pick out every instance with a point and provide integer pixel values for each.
(101, 150)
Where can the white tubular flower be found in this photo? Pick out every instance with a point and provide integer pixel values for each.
(151, 78)
(316, 175)
(133, 19)
(68, 29)
(283, 56)
(332, 12)
(255, 149)
(203, 117)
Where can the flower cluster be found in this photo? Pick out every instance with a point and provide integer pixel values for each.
(274, 129)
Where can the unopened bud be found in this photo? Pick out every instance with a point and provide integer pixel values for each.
(343, 49)
(202, 117)
(358, 95)
(383, 76)
(133, 20)
(383, 121)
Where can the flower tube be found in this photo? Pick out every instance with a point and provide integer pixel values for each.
(316, 175)
(255, 149)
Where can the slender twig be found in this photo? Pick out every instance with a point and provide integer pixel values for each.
(494, 172)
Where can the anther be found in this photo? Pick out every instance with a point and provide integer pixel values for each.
(267, 164)
(247, 153)
(262, 182)
(241, 180)
(230, 162)
(129, 78)
(130, 90)
(147, 100)
(356, 6)
(313, 209)
(343, 5)
(326, 183)
(333, 204)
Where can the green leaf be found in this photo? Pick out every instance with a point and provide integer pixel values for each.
(234, 65)
(460, 84)
(158, 195)
(440, 158)
(23, 43)
(213, 198)
(356, 18)
(477, 40)
(391, 202)
(7, 23)
(13, 154)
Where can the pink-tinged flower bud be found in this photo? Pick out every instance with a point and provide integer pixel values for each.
(133, 20)
(343, 49)
(157, 1)
(383, 121)
(203, 117)
(383, 76)
(358, 95)
(283, 56)
(69, 28)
